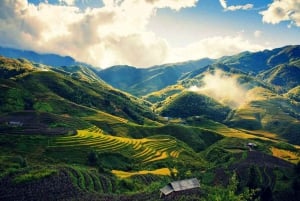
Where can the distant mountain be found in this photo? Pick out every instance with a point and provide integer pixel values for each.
(255, 62)
(286, 54)
(47, 59)
(141, 81)
(285, 76)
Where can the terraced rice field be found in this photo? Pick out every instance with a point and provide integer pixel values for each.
(286, 155)
(239, 133)
(89, 180)
(143, 150)
(161, 171)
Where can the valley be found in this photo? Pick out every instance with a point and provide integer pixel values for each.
(81, 133)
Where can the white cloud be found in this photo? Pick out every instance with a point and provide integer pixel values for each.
(213, 47)
(223, 88)
(223, 3)
(235, 7)
(240, 7)
(113, 34)
(67, 2)
(283, 10)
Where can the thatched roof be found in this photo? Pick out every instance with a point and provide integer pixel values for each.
(180, 186)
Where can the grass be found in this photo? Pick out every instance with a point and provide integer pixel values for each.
(34, 175)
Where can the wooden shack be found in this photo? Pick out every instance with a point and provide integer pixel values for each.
(178, 186)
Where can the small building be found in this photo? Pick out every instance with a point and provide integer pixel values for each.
(15, 123)
(177, 186)
(251, 145)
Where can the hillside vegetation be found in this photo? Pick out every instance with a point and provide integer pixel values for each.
(232, 123)
(50, 90)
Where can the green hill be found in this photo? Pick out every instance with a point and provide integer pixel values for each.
(57, 92)
(190, 104)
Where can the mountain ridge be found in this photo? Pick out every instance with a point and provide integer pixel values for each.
(247, 62)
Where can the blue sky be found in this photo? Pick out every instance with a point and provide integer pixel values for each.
(143, 33)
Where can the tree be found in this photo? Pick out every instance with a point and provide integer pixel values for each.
(229, 193)
(93, 158)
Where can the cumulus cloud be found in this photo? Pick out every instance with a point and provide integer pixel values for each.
(173, 4)
(283, 10)
(213, 47)
(113, 34)
(240, 7)
(67, 2)
(223, 88)
(235, 7)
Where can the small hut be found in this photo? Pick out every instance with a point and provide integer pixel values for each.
(177, 186)
(15, 123)
(251, 145)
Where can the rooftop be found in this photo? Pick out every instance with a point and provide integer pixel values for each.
(180, 186)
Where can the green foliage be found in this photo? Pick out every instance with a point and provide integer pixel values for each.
(127, 184)
(21, 161)
(33, 175)
(115, 161)
(93, 158)
(42, 107)
(285, 146)
(14, 100)
(229, 192)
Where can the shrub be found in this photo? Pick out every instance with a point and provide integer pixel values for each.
(92, 158)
